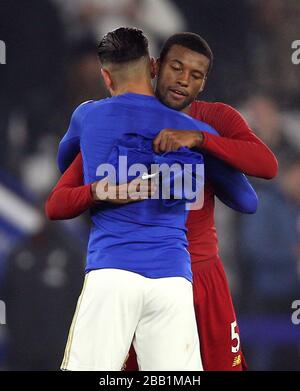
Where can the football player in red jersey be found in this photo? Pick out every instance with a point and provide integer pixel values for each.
(182, 72)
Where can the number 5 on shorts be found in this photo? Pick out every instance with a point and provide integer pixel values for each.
(235, 335)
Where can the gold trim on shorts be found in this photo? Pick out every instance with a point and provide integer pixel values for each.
(71, 332)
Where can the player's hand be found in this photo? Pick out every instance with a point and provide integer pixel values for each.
(172, 139)
(136, 190)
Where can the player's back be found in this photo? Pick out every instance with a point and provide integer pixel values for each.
(147, 237)
(108, 120)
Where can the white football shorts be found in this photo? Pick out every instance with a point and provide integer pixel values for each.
(117, 307)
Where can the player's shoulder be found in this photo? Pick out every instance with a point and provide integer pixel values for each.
(80, 110)
(217, 108)
(201, 104)
(84, 106)
(197, 124)
(88, 106)
(91, 104)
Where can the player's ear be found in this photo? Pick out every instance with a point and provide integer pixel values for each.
(156, 66)
(107, 78)
(152, 68)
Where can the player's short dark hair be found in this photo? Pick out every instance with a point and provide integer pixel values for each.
(191, 41)
(123, 45)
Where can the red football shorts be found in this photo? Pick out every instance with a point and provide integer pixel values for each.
(217, 326)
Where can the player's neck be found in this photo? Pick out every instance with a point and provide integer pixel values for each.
(143, 88)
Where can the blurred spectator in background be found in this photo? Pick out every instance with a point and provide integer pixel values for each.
(270, 242)
(158, 19)
(266, 119)
(41, 272)
(31, 79)
(84, 81)
(43, 277)
(269, 245)
(275, 26)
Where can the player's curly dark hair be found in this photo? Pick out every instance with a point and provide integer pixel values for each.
(123, 45)
(188, 40)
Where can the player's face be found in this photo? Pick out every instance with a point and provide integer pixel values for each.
(181, 77)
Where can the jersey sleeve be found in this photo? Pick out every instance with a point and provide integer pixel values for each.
(238, 146)
(69, 146)
(231, 186)
(70, 197)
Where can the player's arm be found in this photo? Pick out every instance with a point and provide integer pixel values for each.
(230, 185)
(69, 146)
(70, 197)
(238, 146)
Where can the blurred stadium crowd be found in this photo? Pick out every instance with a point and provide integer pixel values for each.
(52, 67)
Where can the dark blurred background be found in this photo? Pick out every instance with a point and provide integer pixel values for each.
(51, 67)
